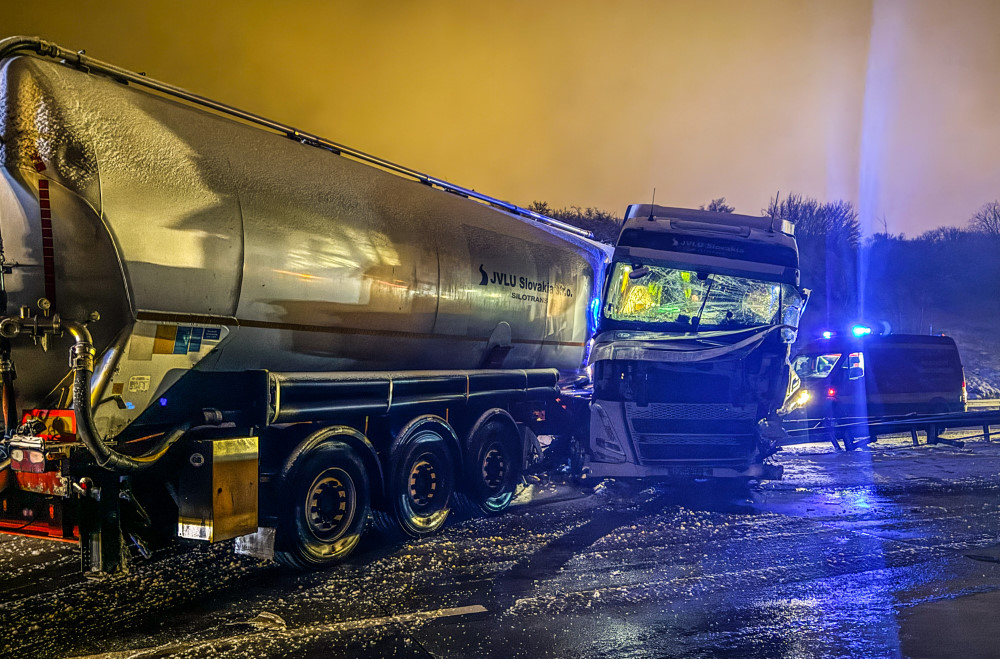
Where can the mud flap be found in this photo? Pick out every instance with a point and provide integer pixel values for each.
(531, 448)
(258, 545)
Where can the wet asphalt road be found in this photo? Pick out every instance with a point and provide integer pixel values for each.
(891, 551)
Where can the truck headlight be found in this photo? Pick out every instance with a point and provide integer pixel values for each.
(604, 437)
(795, 401)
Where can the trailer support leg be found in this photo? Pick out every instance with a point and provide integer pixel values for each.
(101, 540)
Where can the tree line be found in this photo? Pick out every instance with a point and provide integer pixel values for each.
(940, 280)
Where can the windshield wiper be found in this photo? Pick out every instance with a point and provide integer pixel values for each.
(696, 321)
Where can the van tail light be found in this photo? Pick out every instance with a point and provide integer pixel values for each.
(831, 392)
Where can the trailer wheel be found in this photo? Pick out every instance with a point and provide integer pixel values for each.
(493, 463)
(327, 504)
(422, 479)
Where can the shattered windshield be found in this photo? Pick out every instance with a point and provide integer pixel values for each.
(689, 301)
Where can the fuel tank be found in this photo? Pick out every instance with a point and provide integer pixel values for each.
(206, 243)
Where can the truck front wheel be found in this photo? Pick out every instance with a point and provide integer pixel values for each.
(326, 508)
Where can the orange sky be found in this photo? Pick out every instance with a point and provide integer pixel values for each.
(888, 104)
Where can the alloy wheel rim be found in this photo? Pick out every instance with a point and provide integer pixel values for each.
(422, 483)
(330, 503)
(494, 469)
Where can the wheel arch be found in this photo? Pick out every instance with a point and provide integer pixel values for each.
(489, 415)
(432, 422)
(489, 486)
(352, 438)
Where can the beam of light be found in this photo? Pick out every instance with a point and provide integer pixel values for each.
(884, 41)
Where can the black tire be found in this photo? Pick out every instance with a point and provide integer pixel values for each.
(385, 524)
(326, 507)
(421, 483)
(492, 466)
(940, 406)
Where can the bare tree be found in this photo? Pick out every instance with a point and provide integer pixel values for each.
(540, 207)
(834, 221)
(718, 205)
(987, 219)
(604, 225)
(885, 225)
(943, 235)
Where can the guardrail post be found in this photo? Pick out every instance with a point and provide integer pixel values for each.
(830, 432)
(848, 439)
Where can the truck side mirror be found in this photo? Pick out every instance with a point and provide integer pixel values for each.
(855, 373)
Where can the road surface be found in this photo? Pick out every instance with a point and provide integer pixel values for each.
(891, 551)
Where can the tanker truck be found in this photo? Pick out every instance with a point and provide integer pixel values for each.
(690, 361)
(271, 337)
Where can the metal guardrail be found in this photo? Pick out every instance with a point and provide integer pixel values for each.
(859, 431)
(984, 404)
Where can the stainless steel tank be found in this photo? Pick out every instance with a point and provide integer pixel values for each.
(207, 243)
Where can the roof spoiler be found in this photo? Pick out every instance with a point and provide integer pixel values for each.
(709, 221)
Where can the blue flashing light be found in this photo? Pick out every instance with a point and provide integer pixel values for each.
(163, 402)
(861, 330)
(129, 405)
(595, 312)
(827, 334)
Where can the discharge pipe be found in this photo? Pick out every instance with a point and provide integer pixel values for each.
(81, 360)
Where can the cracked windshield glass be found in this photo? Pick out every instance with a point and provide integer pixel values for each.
(682, 298)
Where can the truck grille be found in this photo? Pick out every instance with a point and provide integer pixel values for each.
(716, 454)
(713, 411)
(692, 432)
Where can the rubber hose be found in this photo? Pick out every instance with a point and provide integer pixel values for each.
(104, 455)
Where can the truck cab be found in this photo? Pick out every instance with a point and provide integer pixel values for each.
(690, 360)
